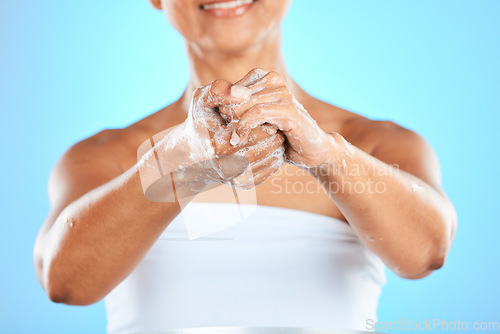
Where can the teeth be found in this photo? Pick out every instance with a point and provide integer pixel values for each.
(227, 5)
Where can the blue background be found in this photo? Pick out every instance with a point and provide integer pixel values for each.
(71, 68)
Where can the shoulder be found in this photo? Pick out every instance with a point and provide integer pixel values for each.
(91, 163)
(380, 134)
(386, 141)
(107, 145)
(117, 147)
(401, 147)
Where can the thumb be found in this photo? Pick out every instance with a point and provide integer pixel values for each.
(222, 92)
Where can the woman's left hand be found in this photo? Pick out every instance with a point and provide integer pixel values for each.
(307, 144)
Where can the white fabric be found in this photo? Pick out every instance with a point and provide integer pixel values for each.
(279, 267)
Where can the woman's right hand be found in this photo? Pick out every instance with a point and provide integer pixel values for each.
(199, 151)
(213, 115)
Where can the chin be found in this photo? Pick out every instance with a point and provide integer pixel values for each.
(238, 39)
(232, 45)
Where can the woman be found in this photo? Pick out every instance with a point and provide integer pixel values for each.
(303, 258)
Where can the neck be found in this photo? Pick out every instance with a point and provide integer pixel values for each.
(208, 65)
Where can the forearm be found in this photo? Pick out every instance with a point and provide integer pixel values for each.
(97, 240)
(402, 219)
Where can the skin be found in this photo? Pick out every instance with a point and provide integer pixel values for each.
(101, 225)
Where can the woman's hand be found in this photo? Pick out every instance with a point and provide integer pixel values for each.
(198, 151)
(216, 108)
(307, 144)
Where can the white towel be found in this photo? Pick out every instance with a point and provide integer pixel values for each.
(278, 267)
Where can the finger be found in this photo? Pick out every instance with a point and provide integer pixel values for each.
(272, 113)
(262, 149)
(265, 174)
(271, 79)
(269, 129)
(293, 157)
(278, 156)
(272, 161)
(252, 76)
(266, 95)
(256, 179)
(221, 92)
(268, 82)
(222, 138)
(259, 134)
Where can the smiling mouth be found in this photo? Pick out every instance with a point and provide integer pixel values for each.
(226, 4)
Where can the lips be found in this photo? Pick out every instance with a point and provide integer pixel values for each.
(225, 9)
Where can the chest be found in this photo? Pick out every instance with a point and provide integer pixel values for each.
(290, 187)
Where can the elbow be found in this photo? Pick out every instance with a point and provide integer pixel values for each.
(419, 268)
(58, 282)
(422, 271)
(436, 257)
(63, 290)
(57, 295)
(441, 240)
(432, 254)
(46, 274)
(56, 292)
(61, 294)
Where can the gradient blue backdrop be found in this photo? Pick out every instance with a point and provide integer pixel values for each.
(71, 68)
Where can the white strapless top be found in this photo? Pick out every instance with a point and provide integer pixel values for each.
(278, 267)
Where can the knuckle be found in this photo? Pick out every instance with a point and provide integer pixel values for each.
(217, 82)
(257, 110)
(258, 71)
(217, 87)
(280, 137)
(253, 76)
(289, 124)
(198, 93)
(269, 129)
(284, 91)
(213, 87)
(275, 78)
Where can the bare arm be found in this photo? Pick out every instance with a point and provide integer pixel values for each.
(407, 221)
(393, 200)
(99, 228)
(101, 223)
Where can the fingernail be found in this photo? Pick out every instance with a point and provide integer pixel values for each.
(240, 92)
(235, 139)
(270, 130)
(242, 134)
